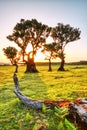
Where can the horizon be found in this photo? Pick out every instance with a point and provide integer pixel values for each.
(71, 12)
(46, 61)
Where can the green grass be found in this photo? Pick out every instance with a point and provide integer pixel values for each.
(71, 84)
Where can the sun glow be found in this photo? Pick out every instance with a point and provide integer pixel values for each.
(29, 48)
(49, 40)
(39, 56)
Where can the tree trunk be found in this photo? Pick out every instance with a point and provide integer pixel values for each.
(78, 113)
(50, 68)
(30, 67)
(26, 100)
(16, 69)
(61, 68)
(30, 64)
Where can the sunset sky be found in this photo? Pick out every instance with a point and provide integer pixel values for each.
(50, 12)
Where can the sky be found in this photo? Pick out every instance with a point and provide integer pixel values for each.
(49, 12)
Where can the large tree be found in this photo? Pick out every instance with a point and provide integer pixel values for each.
(62, 35)
(11, 54)
(29, 32)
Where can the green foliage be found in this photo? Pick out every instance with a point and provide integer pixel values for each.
(62, 35)
(57, 118)
(10, 53)
(63, 123)
(35, 33)
(53, 50)
(61, 113)
(68, 125)
(29, 32)
(28, 116)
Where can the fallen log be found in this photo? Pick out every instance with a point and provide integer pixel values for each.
(37, 104)
(26, 100)
(77, 108)
(78, 113)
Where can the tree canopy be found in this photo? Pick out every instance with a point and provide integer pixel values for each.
(35, 33)
(50, 52)
(11, 54)
(62, 35)
(29, 32)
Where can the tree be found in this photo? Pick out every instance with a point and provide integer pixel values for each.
(62, 35)
(11, 54)
(29, 32)
(50, 52)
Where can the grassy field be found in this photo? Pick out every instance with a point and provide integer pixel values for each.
(70, 84)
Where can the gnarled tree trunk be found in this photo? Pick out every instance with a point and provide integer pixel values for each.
(30, 64)
(25, 100)
(61, 68)
(30, 67)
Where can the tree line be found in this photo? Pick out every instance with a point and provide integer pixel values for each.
(34, 33)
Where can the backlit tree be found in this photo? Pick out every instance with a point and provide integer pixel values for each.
(29, 32)
(62, 35)
(11, 54)
(50, 52)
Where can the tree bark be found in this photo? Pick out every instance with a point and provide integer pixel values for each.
(30, 64)
(61, 68)
(50, 68)
(78, 113)
(16, 69)
(30, 67)
(26, 100)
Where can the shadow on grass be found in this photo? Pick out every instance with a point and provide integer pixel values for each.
(32, 86)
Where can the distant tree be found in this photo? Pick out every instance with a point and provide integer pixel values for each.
(62, 35)
(29, 32)
(50, 52)
(11, 54)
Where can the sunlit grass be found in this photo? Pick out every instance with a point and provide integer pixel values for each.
(55, 85)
